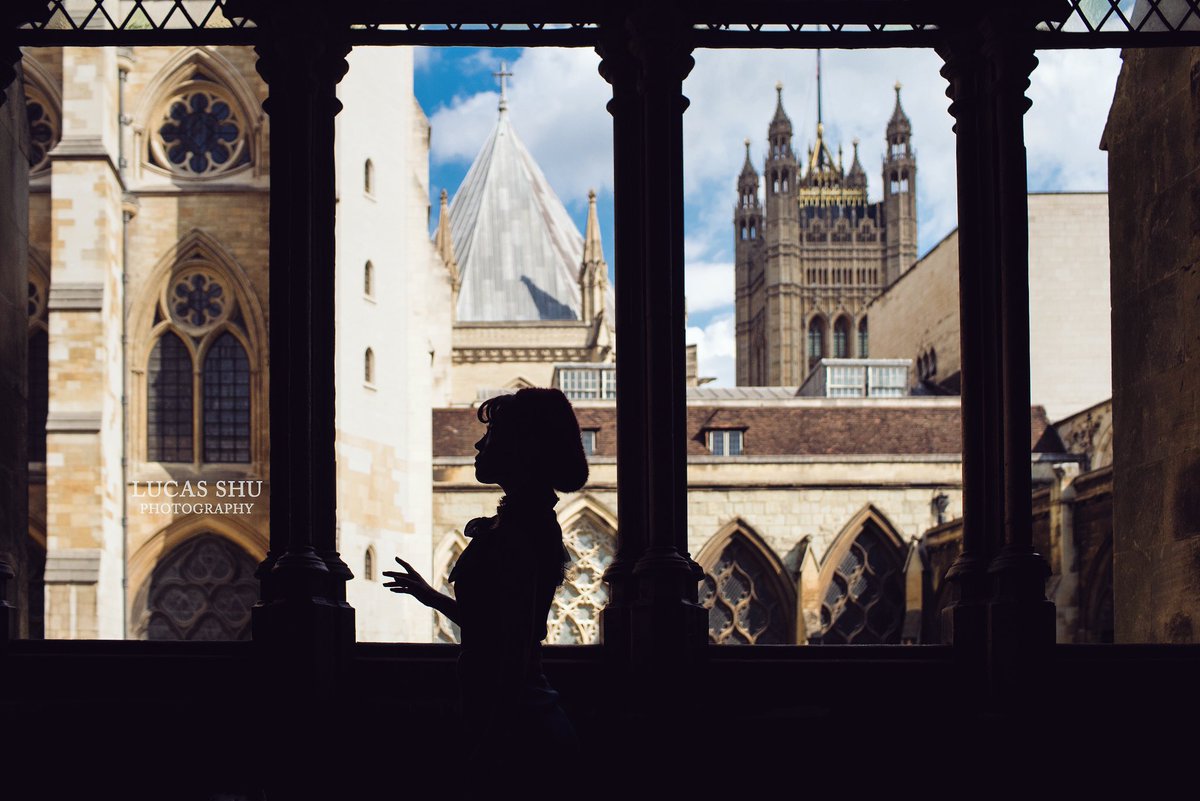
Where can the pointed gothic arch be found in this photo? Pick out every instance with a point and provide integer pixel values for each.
(198, 82)
(841, 337)
(203, 589)
(862, 582)
(201, 295)
(445, 555)
(43, 107)
(590, 537)
(816, 340)
(249, 543)
(746, 589)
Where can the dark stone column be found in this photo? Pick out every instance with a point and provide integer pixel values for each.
(14, 521)
(646, 60)
(303, 612)
(1002, 609)
(619, 68)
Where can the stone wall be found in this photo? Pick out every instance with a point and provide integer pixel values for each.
(14, 232)
(1153, 143)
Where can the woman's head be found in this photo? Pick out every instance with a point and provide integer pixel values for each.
(532, 442)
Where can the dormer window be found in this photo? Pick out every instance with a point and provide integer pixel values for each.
(724, 441)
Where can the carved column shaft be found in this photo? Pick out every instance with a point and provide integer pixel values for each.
(302, 56)
(646, 65)
(1001, 611)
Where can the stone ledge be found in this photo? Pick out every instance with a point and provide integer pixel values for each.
(82, 296)
(73, 566)
(74, 422)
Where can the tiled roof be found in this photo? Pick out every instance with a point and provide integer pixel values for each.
(804, 430)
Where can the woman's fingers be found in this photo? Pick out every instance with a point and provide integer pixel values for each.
(405, 565)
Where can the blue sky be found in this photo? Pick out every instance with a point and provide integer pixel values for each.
(556, 103)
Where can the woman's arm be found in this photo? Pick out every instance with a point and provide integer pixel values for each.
(413, 584)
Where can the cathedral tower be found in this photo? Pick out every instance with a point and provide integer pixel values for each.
(821, 253)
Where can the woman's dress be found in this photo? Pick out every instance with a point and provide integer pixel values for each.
(504, 583)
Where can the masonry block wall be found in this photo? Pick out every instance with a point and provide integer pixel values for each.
(1153, 143)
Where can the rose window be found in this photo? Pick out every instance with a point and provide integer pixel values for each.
(201, 133)
(197, 300)
(43, 129)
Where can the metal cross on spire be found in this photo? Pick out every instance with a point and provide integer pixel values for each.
(502, 74)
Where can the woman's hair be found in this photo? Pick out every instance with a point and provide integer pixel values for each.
(540, 426)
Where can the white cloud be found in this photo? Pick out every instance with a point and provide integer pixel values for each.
(1071, 91)
(425, 57)
(708, 285)
(715, 349)
(557, 102)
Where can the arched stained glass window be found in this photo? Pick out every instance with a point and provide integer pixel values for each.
(203, 590)
(39, 393)
(864, 602)
(841, 339)
(169, 401)
(575, 613)
(862, 339)
(742, 595)
(369, 366)
(226, 401)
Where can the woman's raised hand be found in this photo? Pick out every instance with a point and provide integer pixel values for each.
(409, 582)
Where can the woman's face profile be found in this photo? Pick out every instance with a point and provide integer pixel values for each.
(488, 462)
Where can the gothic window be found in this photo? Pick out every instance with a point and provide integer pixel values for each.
(746, 598)
(369, 177)
(203, 590)
(39, 392)
(841, 338)
(369, 564)
(44, 128)
(862, 338)
(200, 379)
(816, 341)
(369, 280)
(369, 366)
(169, 401)
(575, 613)
(200, 131)
(226, 383)
(864, 598)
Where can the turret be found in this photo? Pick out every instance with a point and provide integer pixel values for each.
(899, 195)
(444, 245)
(780, 172)
(593, 274)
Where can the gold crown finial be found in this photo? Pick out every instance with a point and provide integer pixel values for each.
(899, 86)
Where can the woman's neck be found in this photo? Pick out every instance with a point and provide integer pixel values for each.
(527, 499)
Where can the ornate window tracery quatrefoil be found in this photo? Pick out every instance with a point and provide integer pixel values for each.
(201, 133)
(197, 300)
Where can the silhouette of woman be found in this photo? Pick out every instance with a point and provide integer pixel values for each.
(505, 581)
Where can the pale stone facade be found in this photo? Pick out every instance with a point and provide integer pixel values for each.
(129, 219)
(1069, 307)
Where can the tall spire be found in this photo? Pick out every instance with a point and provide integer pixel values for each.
(593, 250)
(899, 123)
(444, 245)
(818, 86)
(502, 74)
(748, 166)
(593, 273)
